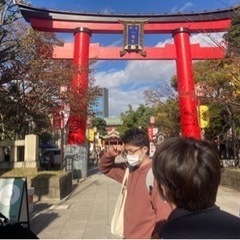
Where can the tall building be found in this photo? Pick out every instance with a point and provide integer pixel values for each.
(101, 106)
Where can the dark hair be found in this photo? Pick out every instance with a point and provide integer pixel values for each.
(190, 171)
(136, 137)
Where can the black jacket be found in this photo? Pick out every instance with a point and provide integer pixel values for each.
(206, 223)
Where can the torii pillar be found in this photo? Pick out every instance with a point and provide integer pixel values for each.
(77, 123)
(76, 149)
(186, 92)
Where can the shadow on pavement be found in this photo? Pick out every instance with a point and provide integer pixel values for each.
(41, 218)
(40, 221)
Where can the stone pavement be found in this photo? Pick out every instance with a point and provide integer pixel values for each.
(86, 213)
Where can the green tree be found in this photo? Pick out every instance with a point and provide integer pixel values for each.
(31, 84)
(138, 118)
(232, 37)
(168, 117)
(8, 39)
(219, 93)
(100, 124)
(32, 88)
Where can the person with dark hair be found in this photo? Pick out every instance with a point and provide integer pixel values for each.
(143, 207)
(187, 172)
(10, 229)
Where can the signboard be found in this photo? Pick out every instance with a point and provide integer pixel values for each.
(152, 149)
(90, 134)
(204, 116)
(133, 36)
(14, 199)
(152, 132)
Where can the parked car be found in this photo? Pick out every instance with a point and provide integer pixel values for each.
(51, 157)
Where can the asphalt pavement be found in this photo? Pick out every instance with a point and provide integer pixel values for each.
(86, 213)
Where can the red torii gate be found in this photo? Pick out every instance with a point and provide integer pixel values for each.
(180, 25)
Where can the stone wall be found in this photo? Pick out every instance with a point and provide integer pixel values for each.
(231, 178)
(47, 186)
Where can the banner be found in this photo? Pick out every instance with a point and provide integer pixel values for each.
(152, 132)
(204, 117)
(90, 134)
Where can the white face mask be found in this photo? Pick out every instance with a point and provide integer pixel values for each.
(134, 160)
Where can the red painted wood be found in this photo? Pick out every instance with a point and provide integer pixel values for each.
(77, 124)
(186, 93)
(49, 25)
(153, 53)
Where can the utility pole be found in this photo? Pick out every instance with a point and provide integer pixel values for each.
(233, 128)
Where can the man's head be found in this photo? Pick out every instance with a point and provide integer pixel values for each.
(136, 145)
(188, 172)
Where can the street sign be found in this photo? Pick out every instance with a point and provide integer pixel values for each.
(14, 199)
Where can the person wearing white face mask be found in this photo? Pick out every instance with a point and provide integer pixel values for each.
(144, 211)
(134, 160)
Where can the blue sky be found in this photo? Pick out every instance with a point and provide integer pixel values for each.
(126, 80)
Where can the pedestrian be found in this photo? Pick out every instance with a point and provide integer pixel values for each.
(98, 150)
(143, 207)
(187, 171)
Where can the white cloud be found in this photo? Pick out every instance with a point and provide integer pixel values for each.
(126, 85)
(207, 39)
(107, 10)
(183, 8)
(119, 100)
(110, 80)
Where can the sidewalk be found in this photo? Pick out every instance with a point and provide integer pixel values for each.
(86, 213)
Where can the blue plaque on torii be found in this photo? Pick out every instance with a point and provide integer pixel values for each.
(133, 37)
